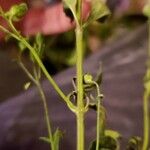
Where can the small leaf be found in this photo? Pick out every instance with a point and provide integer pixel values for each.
(38, 45)
(22, 47)
(27, 85)
(107, 143)
(45, 139)
(114, 134)
(71, 4)
(135, 143)
(99, 12)
(56, 138)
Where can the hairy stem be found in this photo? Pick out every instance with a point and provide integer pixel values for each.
(80, 102)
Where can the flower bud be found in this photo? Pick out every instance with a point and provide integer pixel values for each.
(17, 11)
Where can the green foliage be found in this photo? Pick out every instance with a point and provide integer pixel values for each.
(113, 134)
(70, 4)
(16, 12)
(38, 44)
(106, 139)
(135, 143)
(99, 12)
(56, 138)
(27, 85)
(107, 143)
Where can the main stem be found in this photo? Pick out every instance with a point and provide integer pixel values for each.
(79, 67)
(80, 103)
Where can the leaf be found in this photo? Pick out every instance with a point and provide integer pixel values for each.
(108, 142)
(39, 46)
(99, 12)
(45, 139)
(135, 143)
(56, 138)
(71, 4)
(27, 85)
(22, 47)
(113, 134)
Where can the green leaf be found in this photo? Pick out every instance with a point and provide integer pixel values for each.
(71, 4)
(135, 143)
(99, 12)
(56, 138)
(113, 134)
(27, 85)
(45, 139)
(39, 46)
(22, 47)
(108, 142)
(16, 12)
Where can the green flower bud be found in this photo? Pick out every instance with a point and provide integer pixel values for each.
(88, 78)
(17, 11)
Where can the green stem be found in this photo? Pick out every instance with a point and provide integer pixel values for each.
(146, 120)
(146, 112)
(50, 135)
(100, 118)
(18, 37)
(98, 126)
(41, 92)
(79, 12)
(80, 102)
(39, 62)
(79, 67)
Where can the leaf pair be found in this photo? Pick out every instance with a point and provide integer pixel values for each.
(99, 10)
